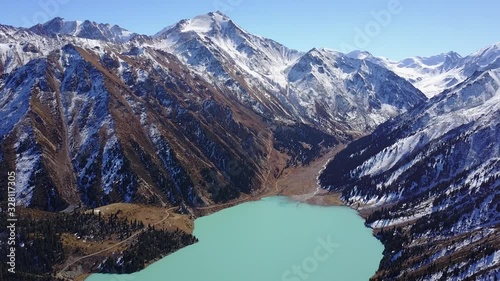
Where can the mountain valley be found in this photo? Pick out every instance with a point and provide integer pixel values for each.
(204, 115)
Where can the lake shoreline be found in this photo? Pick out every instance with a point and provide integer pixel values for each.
(298, 184)
(264, 230)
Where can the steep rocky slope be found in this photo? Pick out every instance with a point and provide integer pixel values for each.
(430, 182)
(90, 126)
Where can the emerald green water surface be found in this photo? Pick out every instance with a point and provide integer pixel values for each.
(274, 239)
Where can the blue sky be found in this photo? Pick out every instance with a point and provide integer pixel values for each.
(392, 28)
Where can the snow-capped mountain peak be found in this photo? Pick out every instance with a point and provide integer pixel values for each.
(493, 48)
(84, 29)
(202, 24)
(358, 54)
(206, 23)
(212, 40)
(439, 62)
(487, 57)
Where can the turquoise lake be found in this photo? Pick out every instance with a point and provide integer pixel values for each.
(274, 239)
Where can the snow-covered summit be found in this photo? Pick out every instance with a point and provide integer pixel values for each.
(84, 29)
(358, 54)
(442, 61)
(213, 38)
(200, 24)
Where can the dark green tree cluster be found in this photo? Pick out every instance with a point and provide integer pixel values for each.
(36, 253)
(39, 245)
(149, 246)
(86, 225)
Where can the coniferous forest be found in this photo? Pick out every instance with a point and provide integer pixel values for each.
(40, 248)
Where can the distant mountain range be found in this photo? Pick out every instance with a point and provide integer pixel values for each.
(199, 113)
(432, 75)
(85, 29)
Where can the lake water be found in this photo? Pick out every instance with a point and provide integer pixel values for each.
(274, 239)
